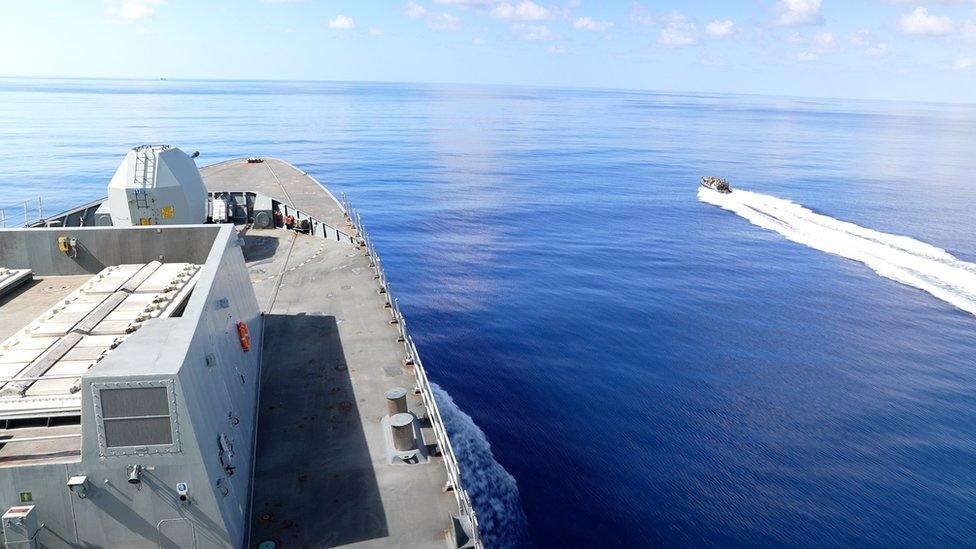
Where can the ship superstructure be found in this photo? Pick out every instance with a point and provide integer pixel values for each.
(213, 358)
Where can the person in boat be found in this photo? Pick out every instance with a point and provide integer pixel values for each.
(716, 184)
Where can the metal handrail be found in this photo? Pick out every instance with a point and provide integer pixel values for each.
(420, 374)
(27, 206)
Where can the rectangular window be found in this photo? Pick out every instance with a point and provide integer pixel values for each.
(136, 416)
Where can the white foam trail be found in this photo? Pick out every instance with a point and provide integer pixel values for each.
(899, 258)
(493, 491)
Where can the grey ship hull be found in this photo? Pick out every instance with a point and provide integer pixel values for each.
(331, 350)
(318, 461)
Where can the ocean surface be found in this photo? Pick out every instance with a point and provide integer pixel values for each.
(625, 360)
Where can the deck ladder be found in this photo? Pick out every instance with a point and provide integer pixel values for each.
(145, 170)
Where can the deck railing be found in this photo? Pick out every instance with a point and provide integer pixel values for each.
(412, 360)
(23, 214)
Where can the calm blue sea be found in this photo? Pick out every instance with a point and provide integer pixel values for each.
(649, 368)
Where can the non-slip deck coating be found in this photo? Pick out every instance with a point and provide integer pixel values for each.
(322, 474)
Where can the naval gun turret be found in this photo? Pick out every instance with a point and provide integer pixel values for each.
(157, 185)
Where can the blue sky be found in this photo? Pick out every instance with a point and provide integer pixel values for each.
(886, 49)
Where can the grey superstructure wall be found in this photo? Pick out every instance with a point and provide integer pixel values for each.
(213, 385)
(98, 247)
(220, 386)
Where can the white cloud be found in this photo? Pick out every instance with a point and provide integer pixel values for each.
(586, 23)
(557, 49)
(860, 38)
(823, 42)
(865, 40)
(132, 10)
(921, 23)
(436, 21)
(414, 10)
(679, 32)
(794, 37)
(964, 63)
(533, 32)
(466, 3)
(523, 11)
(719, 29)
(342, 22)
(640, 15)
(477, 41)
(443, 21)
(793, 13)
(376, 32)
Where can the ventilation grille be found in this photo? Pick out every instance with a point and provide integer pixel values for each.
(136, 417)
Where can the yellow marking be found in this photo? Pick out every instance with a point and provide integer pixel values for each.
(167, 212)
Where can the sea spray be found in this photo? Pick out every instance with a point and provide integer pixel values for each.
(493, 491)
(899, 258)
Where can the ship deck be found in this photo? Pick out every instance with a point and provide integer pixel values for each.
(323, 476)
(278, 180)
(24, 304)
(53, 329)
(17, 309)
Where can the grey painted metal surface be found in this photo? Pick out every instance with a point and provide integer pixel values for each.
(335, 344)
(211, 387)
(41, 365)
(466, 532)
(317, 463)
(156, 185)
(263, 212)
(99, 247)
(33, 298)
(278, 180)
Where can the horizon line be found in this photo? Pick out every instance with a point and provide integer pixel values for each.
(488, 84)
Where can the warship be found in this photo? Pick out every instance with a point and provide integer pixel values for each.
(212, 357)
(716, 184)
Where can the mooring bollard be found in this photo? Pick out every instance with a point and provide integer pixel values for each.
(402, 425)
(396, 401)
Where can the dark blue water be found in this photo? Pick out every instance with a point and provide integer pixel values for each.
(651, 369)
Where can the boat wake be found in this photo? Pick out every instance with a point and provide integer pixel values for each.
(899, 258)
(492, 489)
